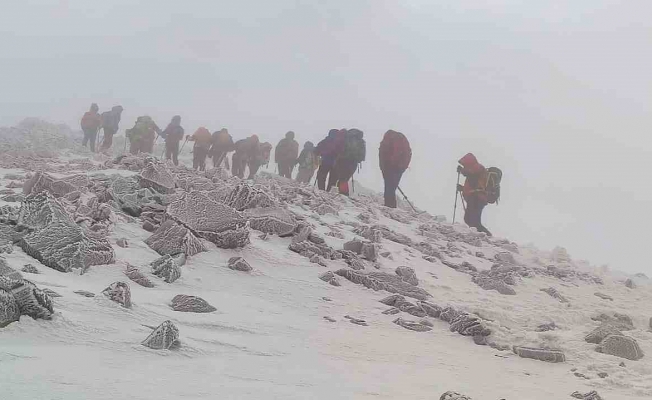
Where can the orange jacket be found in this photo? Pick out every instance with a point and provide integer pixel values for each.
(475, 174)
(202, 138)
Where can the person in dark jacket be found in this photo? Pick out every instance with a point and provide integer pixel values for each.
(473, 191)
(141, 136)
(394, 155)
(222, 144)
(285, 155)
(258, 158)
(110, 126)
(327, 149)
(90, 124)
(245, 150)
(202, 138)
(353, 153)
(308, 162)
(173, 135)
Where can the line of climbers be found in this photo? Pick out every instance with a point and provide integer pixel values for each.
(336, 158)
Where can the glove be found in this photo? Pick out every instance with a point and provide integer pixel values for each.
(460, 188)
(459, 168)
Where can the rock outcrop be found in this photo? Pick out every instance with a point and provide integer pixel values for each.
(31, 300)
(173, 238)
(120, 293)
(185, 303)
(168, 267)
(382, 281)
(239, 264)
(164, 337)
(620, 346)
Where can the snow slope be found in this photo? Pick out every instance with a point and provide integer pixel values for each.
(268, 338)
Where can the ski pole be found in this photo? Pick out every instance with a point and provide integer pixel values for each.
(406, 199)
(456, 196)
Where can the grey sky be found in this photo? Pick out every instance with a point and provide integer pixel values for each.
(557, 95)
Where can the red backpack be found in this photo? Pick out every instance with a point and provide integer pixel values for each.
(395, 151)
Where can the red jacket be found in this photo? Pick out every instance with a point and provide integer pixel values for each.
(91, 120)
(394, 153)
(474, 173)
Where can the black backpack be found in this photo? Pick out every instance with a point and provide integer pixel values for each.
(492, 184)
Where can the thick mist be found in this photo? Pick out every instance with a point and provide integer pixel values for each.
(556, 95)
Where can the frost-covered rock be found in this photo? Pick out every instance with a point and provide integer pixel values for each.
(122, 242)
(9, 310)
(54, 238)
(412, 325)
(84, 293)
(469, 325)
(553, 356)
(630, 284)
(273, 220)
(173, 238)
(135, 275)
(30, 269)
(164, 337)
(489, 283)
(156, 175)
(330, 278)
(168, 267)
(620, 321)
(185, 303)
(408, 275)
(620, 346)
(592, 395)
(383, 281)
(239, 264)
(454, 396)
(42, 181)
(370, 251)
(245, 196)
(31, 300)
(555, 293)
(603, 296)
(120, 293)
(432, 310)
(600, 333)
(6, 270)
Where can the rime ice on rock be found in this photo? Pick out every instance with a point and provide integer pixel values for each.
(620, 346)
(184, 303)
(603, 296)
(168, 267)
(173, 238)
(553, 356)
(164, 337)
(271, 220)
(630, 283)
(120, 293)
(488, 283)
(555, 293)
(468, 325)
(592, 395)
(454, 396)
(55, 239)
(233, 239)
(245, 196)
(620, 321)
(42, 181)
(31, 300)
(30, 269)
(135, 275)
(600, 333)
(6, 270)
(329, 277)
(408, 275)
(411, 325)
(156, 175)
(9, 310)
(239, 264)
(383, 281)
(122, 242)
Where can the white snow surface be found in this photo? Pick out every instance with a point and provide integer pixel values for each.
(268, 338)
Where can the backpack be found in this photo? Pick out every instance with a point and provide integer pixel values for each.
(265, 151)
(395, 151)
(354, 148)
(491, 180)
(90, 121)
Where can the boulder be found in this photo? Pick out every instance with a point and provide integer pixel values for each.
(245, 196)
(6, 270)
(488, 283)
(173, 238)
(44, 182)
(553, 356)
(184, 303)
(630, 284)
(164, 337)
(593, 395)
(432, 310)
(620, 346)
(168, 267)
(370, 251)
(30, 269)
(412, 325)
(603, 296)
(600, 333)
(9, 310)
(408, 275)
(135, 275)
(157, 176)
(274, 220)
(329, 277)
(120, 293)
(122, 242)
(354, 246)
(454, 396)
(620, 321)
(555, 293)
(31, 300)
(468, 325)
(239, 264)
(383, 281)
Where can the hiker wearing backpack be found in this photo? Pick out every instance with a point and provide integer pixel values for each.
(394, 155)
(285, 155)
(222, 144)
(482, 187)
(308, 162)
(245, 150)
(173, 135)
(141, 136)
(90, 124)
(110, 126)
(203, 140)
(260, 157)
(328, 149)
(347, 161)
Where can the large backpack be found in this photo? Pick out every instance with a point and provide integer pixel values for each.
(395, 151)
(354, 148)
(491, 180)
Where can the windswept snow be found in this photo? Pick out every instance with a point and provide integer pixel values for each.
(285, 329)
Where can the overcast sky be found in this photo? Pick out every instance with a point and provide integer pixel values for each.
(557, 95)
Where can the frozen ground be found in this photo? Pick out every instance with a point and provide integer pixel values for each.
(269, 339)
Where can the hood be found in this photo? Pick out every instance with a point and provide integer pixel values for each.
(176, 120)
(117, 109)
(469, 161)
(289, 135)
(95, 108)
(308, 145)
(356, 133)
(332, 133)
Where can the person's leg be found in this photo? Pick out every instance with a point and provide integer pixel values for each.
(254, 166)
(333, 176)
(480, 227)
(93, 136)
(473, 214)
(392, 180)
(322, 173)
(195, 158)
(87, 136)
(107, 142)
(202, 159)
(175, 152)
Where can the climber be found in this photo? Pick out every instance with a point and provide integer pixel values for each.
(482, 187)
(285, 155)
(245, 149)
(258, 158)
(222, 144)
(347, 160)
(141, 136)
(328, 149)
(395, 155)
(110, 125)
(202, 138)
(173, 135)
(308, 162)
(90, 124)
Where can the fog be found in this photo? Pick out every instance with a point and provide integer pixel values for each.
(557, 95)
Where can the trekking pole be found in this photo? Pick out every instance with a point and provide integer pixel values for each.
(183, 145)
(456, 195)
(353, 185)
(164, 148)
(406, 199)
(125, 149)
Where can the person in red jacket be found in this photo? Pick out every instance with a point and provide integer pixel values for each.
(473, 191)
(395, 155)
(90, 124)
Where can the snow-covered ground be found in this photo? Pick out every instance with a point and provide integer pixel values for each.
(269, 339)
